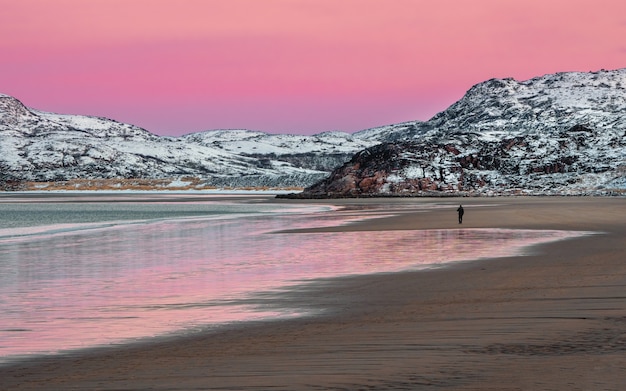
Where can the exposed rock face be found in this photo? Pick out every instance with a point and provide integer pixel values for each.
(558, 134)
(371, 172)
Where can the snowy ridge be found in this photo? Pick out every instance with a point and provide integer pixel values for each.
(41, 146)
(253, 143)
(500, 108)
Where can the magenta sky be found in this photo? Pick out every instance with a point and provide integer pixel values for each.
(289, 66)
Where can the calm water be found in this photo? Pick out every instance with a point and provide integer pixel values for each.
(89, 270)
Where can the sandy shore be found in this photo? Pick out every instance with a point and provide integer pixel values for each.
(555, 320)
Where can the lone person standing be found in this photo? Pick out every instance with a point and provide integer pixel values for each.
(461, 211)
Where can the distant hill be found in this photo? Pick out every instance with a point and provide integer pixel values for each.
(40, 146)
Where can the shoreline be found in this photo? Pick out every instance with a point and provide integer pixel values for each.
(552, 319)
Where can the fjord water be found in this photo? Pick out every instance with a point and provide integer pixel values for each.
(79, 271)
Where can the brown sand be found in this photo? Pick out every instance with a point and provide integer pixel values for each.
(555, 320)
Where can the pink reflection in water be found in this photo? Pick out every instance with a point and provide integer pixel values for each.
(107, 286)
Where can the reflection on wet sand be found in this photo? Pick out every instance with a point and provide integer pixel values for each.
(107, 286)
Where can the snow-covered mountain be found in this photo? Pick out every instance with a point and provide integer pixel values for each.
(40, 146)
(563, 133)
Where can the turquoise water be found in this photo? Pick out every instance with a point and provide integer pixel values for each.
(79, 271)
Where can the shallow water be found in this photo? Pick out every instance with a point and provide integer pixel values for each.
(98, 271)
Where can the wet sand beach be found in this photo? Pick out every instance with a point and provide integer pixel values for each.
(552, 320)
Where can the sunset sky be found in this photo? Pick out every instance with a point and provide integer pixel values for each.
(289, 66)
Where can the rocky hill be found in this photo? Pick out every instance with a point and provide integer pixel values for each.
(43, 147)
(563, 133)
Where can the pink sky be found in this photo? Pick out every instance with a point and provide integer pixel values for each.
(289, 66)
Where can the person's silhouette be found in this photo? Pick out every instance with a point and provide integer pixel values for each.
(461, 211)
